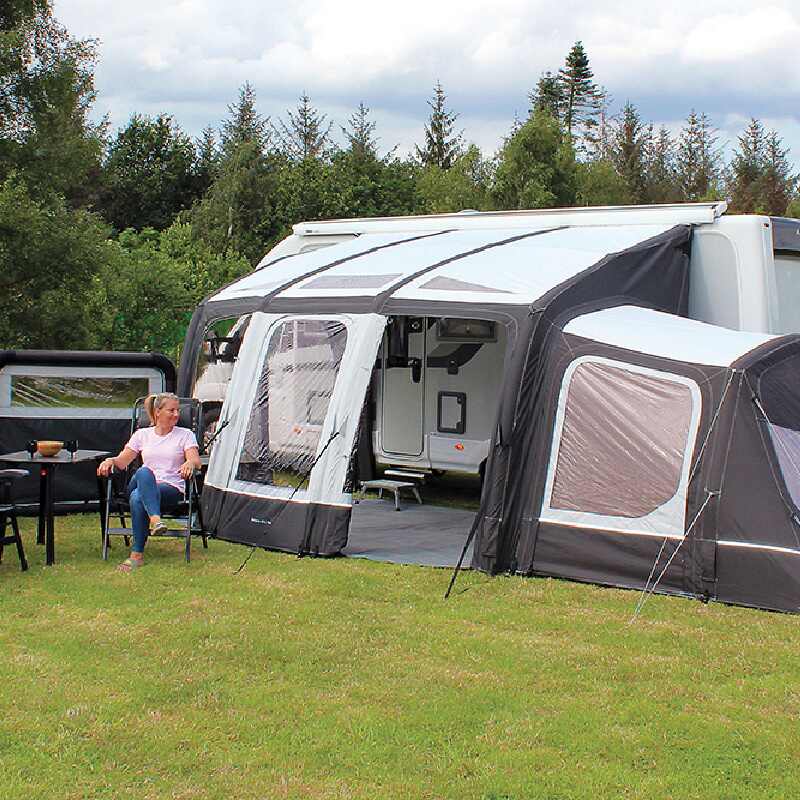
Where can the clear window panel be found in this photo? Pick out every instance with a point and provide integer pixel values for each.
(31, 391)
(291, 402)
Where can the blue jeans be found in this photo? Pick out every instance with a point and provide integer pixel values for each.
(147, 499)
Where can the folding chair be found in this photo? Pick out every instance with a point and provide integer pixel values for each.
(182, 522)
(8, 513)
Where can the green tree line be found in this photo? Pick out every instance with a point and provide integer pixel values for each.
(109, 240)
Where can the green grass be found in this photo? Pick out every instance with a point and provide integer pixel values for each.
(349, 679)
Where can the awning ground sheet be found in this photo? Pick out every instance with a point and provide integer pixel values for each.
(428, 535)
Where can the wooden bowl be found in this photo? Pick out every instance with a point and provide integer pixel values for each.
(46, 447)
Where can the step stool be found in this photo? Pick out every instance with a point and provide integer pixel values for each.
(392, 486)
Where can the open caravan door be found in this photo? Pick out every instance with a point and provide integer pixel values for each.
(279, 475)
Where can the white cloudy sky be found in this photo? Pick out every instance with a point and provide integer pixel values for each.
(188, 58)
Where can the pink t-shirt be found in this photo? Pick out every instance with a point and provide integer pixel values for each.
(163, 454)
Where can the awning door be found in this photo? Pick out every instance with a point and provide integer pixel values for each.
(296, 397)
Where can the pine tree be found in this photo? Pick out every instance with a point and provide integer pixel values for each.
(207, 159)
(306, 133)
(760, 179)
(442, 146)
(244, 124)
(698, 159)
(746, 169)
(360, 134)
(628, 148)
(581, 98)
(547, 96)
(779, 183)
(661, 179)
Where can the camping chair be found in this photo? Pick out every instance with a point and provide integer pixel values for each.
(8, 512)
(182, 522)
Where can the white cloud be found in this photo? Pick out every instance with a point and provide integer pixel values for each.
(188, 57)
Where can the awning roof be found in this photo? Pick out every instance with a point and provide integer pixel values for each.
(466, 266)
(665, 335)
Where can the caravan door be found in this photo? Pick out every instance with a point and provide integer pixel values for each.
(294, 405)
(403, 389)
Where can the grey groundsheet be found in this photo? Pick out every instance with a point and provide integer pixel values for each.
(428, 535)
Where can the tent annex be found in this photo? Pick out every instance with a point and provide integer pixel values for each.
(280, 475)
(653, 449)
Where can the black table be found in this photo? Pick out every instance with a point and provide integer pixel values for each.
(47, 467)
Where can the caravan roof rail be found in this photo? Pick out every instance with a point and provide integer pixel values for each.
(678, 213)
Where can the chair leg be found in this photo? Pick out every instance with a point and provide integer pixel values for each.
(20, 552)
(188, 540)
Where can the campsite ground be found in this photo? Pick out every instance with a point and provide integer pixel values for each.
(350, 679)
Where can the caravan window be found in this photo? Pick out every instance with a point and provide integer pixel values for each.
(622, 447)
(291, 403)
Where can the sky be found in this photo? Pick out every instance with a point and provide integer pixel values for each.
(188, 58)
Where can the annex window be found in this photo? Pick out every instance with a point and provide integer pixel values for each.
(781, 402)
(291, 403)
(74, 392)
(622, 449)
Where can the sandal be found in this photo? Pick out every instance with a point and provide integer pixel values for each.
(130, 564)
(158, 528)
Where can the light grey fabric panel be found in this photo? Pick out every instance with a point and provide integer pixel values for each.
(623, 442)
(351, 281)
(452, 284)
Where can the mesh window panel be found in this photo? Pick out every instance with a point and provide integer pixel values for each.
(781, 400)
(623, 442)
(294, 391)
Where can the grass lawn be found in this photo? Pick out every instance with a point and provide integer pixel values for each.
(349, 679)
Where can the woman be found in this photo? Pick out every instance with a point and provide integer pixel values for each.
(169, 456)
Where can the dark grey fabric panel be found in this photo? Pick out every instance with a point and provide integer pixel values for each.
(759, 578)
(612, 559)
(275, 524)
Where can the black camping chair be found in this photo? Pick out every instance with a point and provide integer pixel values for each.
(8, 513)
(182, 522)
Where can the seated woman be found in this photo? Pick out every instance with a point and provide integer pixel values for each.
(169, 456)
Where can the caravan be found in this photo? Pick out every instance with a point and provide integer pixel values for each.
(434, 402)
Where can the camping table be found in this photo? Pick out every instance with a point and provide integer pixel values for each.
(47, 467)
(392, 486)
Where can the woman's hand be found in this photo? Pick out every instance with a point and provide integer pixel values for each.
(105, 467)
(186, 470)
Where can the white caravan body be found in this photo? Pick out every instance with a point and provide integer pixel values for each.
(744, 275)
